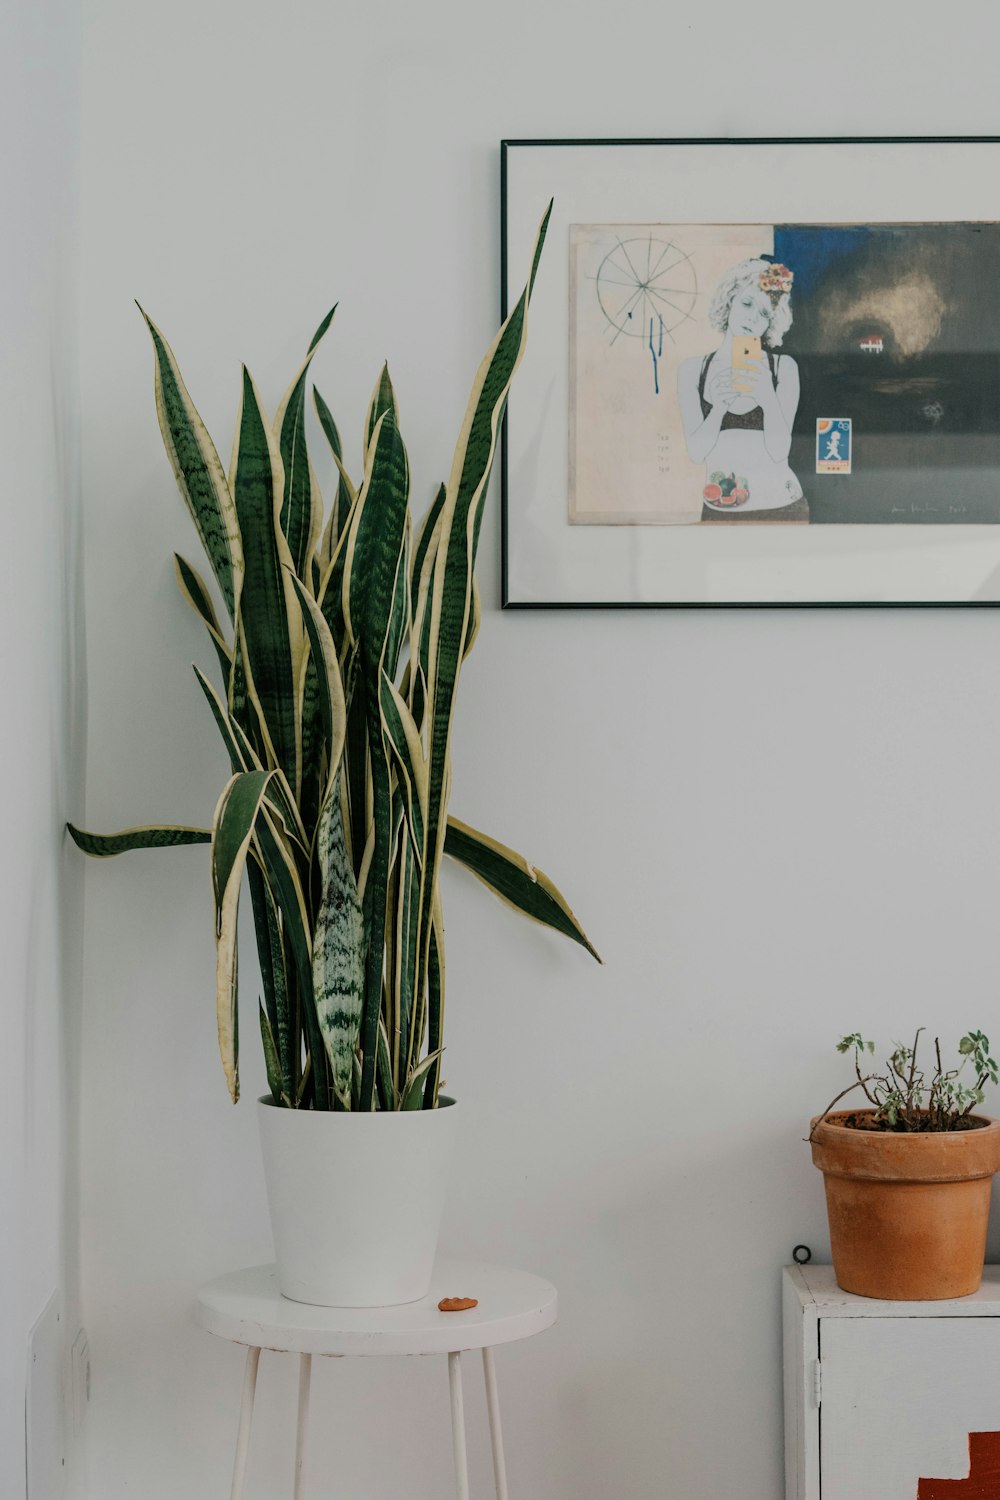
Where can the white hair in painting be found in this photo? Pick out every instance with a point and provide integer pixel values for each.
(749, 273)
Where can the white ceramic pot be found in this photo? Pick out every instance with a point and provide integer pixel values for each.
(356, 1200)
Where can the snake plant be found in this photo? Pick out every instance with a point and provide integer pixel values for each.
(339, 663)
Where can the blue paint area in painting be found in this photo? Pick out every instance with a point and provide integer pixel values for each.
(656, 361)
(811, 249)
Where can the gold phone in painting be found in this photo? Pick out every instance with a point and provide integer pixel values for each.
(745, 352)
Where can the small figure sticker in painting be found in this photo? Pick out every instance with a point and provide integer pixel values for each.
(833, 445)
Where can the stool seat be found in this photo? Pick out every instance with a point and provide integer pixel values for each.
(246, 1307)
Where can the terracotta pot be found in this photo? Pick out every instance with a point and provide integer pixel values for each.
(908, 1213)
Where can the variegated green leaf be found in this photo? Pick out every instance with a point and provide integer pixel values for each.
(164, 836)
(270, 630)
(243, 757)
(274, 972)
(423, 552)
(198, 471)
(302, 506)
(271, 1064)
(322, 329)
(510, 876)
(387, 1091)
(329, 683)
(285, 881)
(451, 599)
(383, 400)
(375, 563)
(338, 949)
(193, 589)
(232, 830)
(404, 739)
(413, 1097)
(435, 1004)
(405, 950)
(346, 492)
(241, 753)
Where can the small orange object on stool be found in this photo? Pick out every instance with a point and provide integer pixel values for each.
(457, 1304)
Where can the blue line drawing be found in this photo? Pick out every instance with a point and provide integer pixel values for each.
(656, 362)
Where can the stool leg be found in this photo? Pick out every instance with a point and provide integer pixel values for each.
(246, 1416)
(496, 1435)
(458, 1425)
(305, 1377)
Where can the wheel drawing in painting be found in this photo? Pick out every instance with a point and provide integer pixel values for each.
(646, 289)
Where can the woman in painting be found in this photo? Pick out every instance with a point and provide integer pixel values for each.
(739, 402)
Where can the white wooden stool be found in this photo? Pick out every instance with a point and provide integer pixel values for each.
(246, 1307)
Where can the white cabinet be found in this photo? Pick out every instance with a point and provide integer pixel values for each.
(882, 1398)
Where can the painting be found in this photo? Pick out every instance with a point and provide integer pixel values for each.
(731, 374)
(797, 408)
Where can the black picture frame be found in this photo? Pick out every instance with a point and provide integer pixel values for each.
(926, 181)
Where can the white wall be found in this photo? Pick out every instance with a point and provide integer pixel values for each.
(40, 731)
(777, 826)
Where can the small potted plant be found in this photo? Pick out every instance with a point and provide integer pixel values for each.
(908, 1177)
(340, 649)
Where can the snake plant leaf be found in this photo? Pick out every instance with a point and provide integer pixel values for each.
(375, 561)
(404, 953)
(403, 737)
(302, 507)
(323, 707)
(232, 830)
(194, 590)
(399, 611)
(413, 1095)
(338, 949)
(451, 603)
(357, 782)
(274, 974)
(272, 1065)
(258, 885)
(329, 683)
(435, 1004)
(383, 400)
(198, 470)
(374, 543)
(289, 896)
(346, 492)
(243, 757)
(321, 330)
(514, 880)
(330, 597)
(427, 543)
(192, 596)
(241, 753)
(421, 575)
(314, 768)
(475, 620)
(387, 1091)
(163, 836)
(270, 631)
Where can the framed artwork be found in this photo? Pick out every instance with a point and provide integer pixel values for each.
(757, 373)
